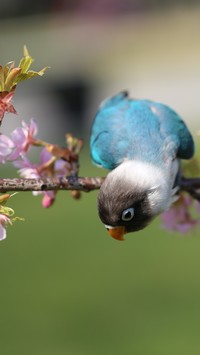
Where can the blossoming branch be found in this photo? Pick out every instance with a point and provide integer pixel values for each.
(58, 167)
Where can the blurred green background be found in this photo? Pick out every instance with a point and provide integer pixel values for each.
(66, 286)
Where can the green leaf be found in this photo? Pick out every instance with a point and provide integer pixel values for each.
(11, 78)
(10, 75)
(1, 78)
(26, 61)
(30, 74)
(7, 211)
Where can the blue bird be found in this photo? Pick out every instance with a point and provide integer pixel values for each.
(141, 142)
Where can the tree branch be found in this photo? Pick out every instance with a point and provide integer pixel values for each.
(191, 186)
(86, 184)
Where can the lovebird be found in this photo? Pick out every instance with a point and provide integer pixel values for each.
(142, 143)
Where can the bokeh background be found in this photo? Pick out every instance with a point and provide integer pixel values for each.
(66, 287)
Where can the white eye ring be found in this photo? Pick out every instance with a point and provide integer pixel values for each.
(128, 214)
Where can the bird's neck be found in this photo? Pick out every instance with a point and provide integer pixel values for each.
(145, 176)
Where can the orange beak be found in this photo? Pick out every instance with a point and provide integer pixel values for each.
(116, 232)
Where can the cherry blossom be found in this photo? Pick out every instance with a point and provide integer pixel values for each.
(6, 147)
(179, 217)
(23, 138)
(48, 166)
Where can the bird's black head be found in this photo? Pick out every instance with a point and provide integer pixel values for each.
(123, 208)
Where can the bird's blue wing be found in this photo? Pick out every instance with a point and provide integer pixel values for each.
(173, 128)
(108, 144)
(137, 129)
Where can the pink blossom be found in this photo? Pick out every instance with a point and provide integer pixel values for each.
(27, 169)
(33, 170)
(45, 156)
(47, 167)
(48, 198)
(179, 217)
(5, 103)
(4, 220)
(6, 146)
(22, 138)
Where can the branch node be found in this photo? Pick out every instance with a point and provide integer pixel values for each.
(43, 187)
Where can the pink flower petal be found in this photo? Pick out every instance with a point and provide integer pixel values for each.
(23, 138)
(6, 146)
(45, 156)
(4, 220)
(32, 129)
(48, 200)
(179, 217)
(2, 232)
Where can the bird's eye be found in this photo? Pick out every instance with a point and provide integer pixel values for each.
(128, 214)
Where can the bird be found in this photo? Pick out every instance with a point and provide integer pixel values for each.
(141, 142)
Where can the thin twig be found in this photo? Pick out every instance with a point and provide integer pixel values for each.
(192, 186)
